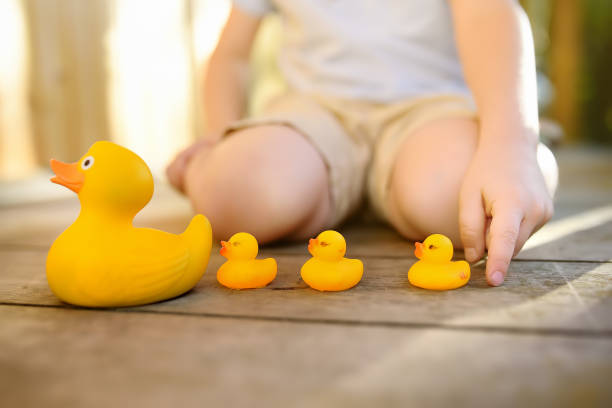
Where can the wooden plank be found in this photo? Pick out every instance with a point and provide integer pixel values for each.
(68, 78)
(585, 192)
(593, 244)
(16, 147)
(75, 358)
(37, 225)
(152, 79)
(536, 296)
(565, 58)
(584, 180)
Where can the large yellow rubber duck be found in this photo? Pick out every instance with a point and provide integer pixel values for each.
(435, 270)
(242, 270)
(101, 260)
(328, 269)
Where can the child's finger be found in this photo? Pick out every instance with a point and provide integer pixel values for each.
(472, 225)
(504, 232)
(528, 227)
(531, 224)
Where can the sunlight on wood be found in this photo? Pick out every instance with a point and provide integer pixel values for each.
(566, 226)
(68, 76)
(17, 158)
(151, 79)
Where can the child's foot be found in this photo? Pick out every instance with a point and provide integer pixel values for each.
(176, 169)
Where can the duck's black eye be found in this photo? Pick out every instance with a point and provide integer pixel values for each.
(432, 247)
(323, 244)
(235, 243)
(87, 163)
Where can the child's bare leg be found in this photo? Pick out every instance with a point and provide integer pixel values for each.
(266, 180)
(428, 174)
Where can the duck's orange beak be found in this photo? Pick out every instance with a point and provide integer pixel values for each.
(67, 175)
(311, 244)
(418, 251)
(224, 250)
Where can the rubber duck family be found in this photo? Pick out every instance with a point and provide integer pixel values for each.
(102, 260)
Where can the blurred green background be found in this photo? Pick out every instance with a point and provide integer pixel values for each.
(574, 52)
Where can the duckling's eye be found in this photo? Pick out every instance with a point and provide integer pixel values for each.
(87, 162)
(323, 244)
(433, 247)
(235, 243)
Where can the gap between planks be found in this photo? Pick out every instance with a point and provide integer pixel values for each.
(6, 247)
(575, 333)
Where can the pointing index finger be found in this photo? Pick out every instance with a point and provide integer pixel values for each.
(504, 231)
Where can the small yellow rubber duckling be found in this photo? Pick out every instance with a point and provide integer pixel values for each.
(101, 260)
(435, 270)
(242, 270)
(328, 269)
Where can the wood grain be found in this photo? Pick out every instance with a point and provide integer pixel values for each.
(542, 339)
(16, 147)
(68, 75)
(75, 358)
(545, 296)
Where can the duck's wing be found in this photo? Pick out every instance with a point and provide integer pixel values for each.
(268, 269)
(268, 264)
(137, 273)
(463, 269)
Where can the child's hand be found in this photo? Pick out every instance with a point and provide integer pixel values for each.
(504, 187)
(176, 169)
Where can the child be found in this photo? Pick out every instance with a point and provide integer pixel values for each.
(427, 107)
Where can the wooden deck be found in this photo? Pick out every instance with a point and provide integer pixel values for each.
(544, 338)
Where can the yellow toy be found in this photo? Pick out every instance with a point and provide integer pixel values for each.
(328, 269)
(242, 270)
(101, 260)
(435, 270)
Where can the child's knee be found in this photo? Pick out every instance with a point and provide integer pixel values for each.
(420, 208)
(424, 190)
(260, 180)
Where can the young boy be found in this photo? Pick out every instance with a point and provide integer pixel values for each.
(427, 107)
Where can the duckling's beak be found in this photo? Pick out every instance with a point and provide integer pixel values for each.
(224, 250)
(67, 175)
(312, 242)
(418, 251)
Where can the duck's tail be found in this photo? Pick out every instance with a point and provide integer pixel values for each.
(271, 267)
(198, 237)
(464, 270)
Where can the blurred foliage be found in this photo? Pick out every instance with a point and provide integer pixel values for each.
(596, 79)
(593, 96)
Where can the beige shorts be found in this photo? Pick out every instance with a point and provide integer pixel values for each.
(358, 140)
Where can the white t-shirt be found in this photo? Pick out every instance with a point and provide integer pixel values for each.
(377, 50)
